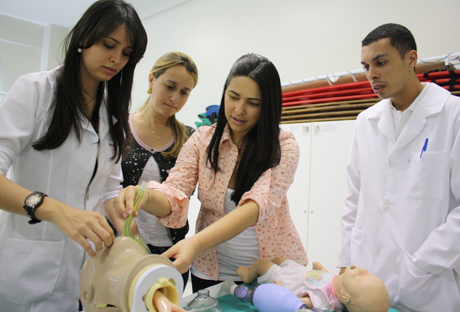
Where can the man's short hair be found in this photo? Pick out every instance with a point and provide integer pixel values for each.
(400, 37)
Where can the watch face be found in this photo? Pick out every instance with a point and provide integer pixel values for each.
(33, 200)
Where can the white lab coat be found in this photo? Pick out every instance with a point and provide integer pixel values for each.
(40, 266)
(401, 216)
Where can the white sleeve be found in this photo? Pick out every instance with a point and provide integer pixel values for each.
(17, 119)
(113, 184)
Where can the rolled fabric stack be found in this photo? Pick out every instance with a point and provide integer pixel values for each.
(344, 101)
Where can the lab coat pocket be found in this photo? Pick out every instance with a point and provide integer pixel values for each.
(359, 255)
(417, 288)
(426, 176)
(29, 269)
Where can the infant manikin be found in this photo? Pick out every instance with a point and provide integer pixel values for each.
(122, 278)
(356, 289)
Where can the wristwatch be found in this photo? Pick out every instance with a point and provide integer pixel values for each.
(32, 202)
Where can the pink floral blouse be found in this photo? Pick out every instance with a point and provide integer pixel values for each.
(277, 234)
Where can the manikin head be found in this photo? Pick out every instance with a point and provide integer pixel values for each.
(358, 290)
(107, 281)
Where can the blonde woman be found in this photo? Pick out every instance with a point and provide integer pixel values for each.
(157, 139)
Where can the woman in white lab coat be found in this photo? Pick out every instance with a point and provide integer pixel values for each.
(62, 136)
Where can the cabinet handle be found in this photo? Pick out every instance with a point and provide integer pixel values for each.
(306, 128)
(316, 128)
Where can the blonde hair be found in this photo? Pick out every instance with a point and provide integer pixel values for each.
(168, 60)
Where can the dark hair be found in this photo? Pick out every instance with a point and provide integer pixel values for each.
(166, 61)
(100, 19)
(400, 37)
(262, 146)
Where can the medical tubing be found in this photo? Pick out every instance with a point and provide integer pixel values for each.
(127, 222)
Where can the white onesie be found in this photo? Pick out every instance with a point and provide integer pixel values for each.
(301, 280)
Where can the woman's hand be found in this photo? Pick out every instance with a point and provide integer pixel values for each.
(124, 203)
(224, 229)
(152, 201)
(78, 225)
(184, 252)
(81, 226)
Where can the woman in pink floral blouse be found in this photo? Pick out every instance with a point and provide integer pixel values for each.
(244, 166)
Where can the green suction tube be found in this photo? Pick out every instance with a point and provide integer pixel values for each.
(127, 223)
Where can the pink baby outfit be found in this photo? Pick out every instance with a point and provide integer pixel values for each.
(301, 280)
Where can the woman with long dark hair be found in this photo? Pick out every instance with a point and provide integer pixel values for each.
(62, 134)
(244, 166)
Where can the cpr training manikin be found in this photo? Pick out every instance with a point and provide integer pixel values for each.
(123, 278)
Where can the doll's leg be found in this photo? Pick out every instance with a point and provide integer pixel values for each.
(278, 260)
(258, 268)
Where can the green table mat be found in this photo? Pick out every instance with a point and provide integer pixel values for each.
(230, 303)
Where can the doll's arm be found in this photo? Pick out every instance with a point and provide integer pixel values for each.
(307, 301)
(258, 268)
(162, 304)
(319, 266)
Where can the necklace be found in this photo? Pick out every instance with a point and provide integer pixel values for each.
(158, 136)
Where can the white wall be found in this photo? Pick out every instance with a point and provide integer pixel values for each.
(27, 47)
(303, 38)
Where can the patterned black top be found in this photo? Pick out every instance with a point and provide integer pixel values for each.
(133, 164)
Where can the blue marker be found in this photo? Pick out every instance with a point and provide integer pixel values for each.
(424, 147)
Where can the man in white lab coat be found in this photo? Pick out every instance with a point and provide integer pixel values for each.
(401, 217)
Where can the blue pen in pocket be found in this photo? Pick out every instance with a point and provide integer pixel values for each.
(424, 147)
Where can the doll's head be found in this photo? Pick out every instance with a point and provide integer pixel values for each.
(107, 281)
(361, 291)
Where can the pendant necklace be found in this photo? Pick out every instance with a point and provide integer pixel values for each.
(158, 136)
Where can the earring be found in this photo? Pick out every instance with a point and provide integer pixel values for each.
(79, 50)
(149, 91)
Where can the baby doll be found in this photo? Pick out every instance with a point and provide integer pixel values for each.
(356, 289)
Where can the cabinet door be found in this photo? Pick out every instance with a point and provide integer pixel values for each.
(330, 146)
(298, 193)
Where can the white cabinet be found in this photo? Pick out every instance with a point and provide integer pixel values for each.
(317, 194)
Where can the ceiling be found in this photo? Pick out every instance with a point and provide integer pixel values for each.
(67, 12)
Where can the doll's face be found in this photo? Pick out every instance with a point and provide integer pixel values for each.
(104, 279)
(366, 291)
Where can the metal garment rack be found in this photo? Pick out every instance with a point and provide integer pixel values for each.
(449, 59)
